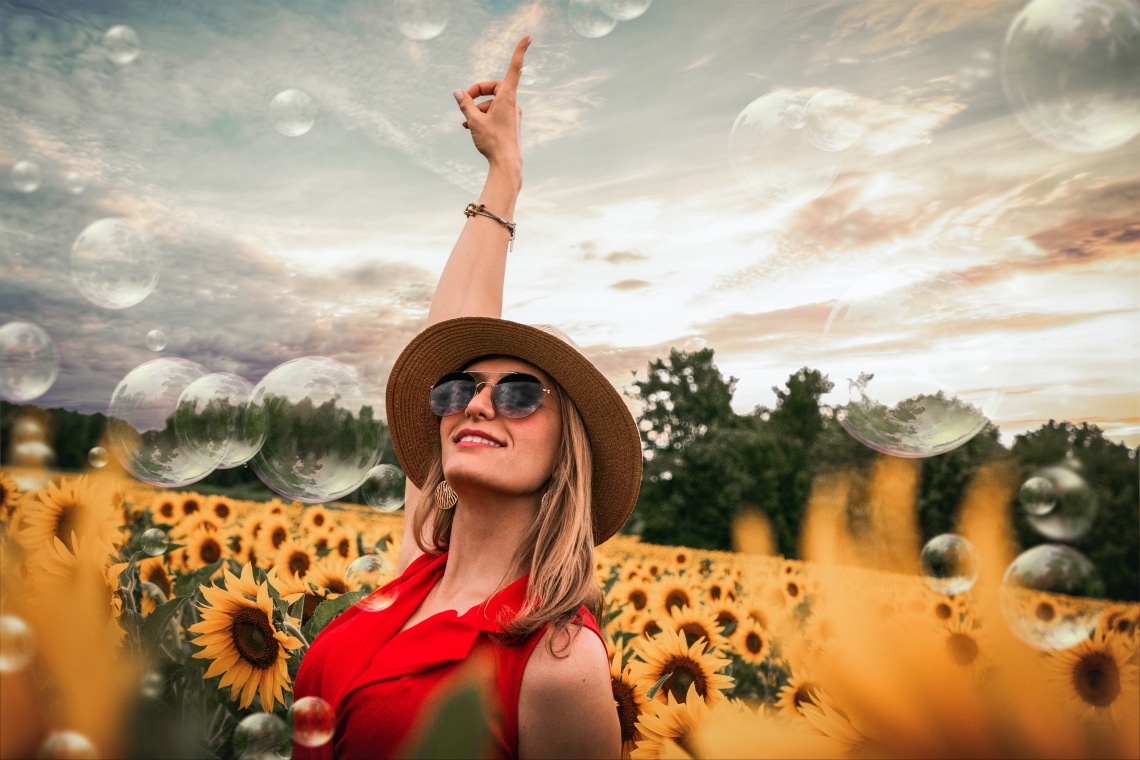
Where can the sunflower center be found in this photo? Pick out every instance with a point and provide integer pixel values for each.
(626, 708)
(943, 611)
(676, 598)
(343, 547)
(252, 637)
(793, 590)
(686, 673)
(1045, 612)
(190, 506)
(156, 575)
(209, 551)
(222, 510)
(724, 617)
(1097, 679)
(963, 648)
(649, 629)
(714, 592)
(278, 536)
(754, 643)
(299, 564)
(803, 694)
(318, 520)
(166, 509)
(694, 631)
(336, 586)
(638, 599)
(65, 523)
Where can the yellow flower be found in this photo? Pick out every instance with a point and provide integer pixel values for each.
(10, 493)
(667, 728)
(189, 504)
(163, 509)
(1097, 677)
(315, 518)
(629, 698)
(153, 570)
(634, 593)
(237, 633)
(203, 547)
(667, 655)
(292, 558)
(751, 642)
(221, 508)
(799, 692)
(696, 623)
(673, 592)
(80, 507)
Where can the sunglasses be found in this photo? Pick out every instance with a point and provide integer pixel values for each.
(514, 396)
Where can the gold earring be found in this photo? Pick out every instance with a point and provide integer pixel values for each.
(445, 498)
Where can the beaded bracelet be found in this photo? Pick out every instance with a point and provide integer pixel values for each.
(478, 208)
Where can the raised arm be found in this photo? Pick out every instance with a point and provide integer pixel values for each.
(471, 284)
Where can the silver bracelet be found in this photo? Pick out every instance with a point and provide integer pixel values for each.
(478, 208)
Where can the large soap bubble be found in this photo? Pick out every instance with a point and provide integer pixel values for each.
(140, 423)
(949, 564)
(29, 361)
(773, 157)
(384, 488)
(1073, 504)
(114, 263)
(293, 112)
(911, 377)
(211, 420)
(121, 44)
(25, 177)
(833, 120)
(321, 436)
(1051, 596)
(589, 19)
(421, 20)
(624, 10)
(1070, 69)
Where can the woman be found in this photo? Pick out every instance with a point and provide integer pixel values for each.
(524, 457)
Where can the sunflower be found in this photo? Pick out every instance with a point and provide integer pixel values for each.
(325, 580)
(726, 612)
(629, 699)
(221, 508)
(315, 518)
(62, 567)
(633, 593)
(10, 493)
(799, 692)
(238, 635)
(189, 504)
(274, 532)
(666, 726)
(343, 543)
(153, 570)
(756, 613)
(199, 521)
(79, 507)
(832, 721)
(203, 547)
(682, 558)
(673, 592)
(1097, 678)
(751, 642)
(668, 656)
(696, 623)
(718, 590)
(292, 558)
(961, 640)
(163, 509)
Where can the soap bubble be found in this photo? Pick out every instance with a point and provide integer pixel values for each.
(260, 736)
(527, 76)
(97, 457)
(771, 155)
(371, 572)
(152, 684)
(1050, 596)
(624, 10)
(317, 419)
(122, 44)
(15, 643)
(75, 183)
(832, 120)
(29, 361)
(1074, 506)
(589, 19)
(421, 20)
(314, 721)
(67, 745)
(949, 564)
(905, 405)
(25, 177)
(114, 263)
(156, 340)
(1038, 495)
(211, 420)
(140, 423)
(383, 488)
(1069, 69)
(293, 112)
(153, 541)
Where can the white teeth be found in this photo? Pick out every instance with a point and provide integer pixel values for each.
(478, 439)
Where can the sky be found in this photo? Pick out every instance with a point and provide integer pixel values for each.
(977, 231)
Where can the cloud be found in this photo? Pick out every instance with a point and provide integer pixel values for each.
(624, 257)
(630, 284)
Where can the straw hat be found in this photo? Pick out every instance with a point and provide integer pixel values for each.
(453, 344)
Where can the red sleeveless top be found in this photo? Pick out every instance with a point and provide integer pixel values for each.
(383, 683)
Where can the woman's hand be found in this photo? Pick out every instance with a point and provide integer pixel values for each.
(495, 124)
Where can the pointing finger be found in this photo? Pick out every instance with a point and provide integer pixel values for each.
(514, 70)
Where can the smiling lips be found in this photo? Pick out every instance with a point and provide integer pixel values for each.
(475, 438)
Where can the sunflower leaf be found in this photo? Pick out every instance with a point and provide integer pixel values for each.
(154, 626)
(459, 729)
(329, 609)
(657, 686)
(298, 609)
(187, 584)
(729, 628)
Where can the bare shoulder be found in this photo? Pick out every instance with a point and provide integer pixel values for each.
(566, 704)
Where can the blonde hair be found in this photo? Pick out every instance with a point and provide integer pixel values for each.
(557, 549)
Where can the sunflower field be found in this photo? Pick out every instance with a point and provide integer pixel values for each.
(145, 623)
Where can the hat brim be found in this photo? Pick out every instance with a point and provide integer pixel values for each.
(450, 345)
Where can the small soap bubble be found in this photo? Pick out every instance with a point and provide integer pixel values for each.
(25, 177)
(153, 541)
(293, 112)
(97, 457)
(1051, 596)
(261, 736)
(383, 488)
(370, 572)
(75, 183)
(1038, 496)
(421, 20)
(314, 721)
(156, 340)
(67, 745)
(624, 10)
(152, 684)
(114, 263)
(211, 420)
(122, 44)
(589, 19)
(1074, 507)
(949, 564)
(527, 76)
(29, 361)
(833, 120)
(16, 645)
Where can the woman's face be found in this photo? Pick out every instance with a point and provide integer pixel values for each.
(480, 448)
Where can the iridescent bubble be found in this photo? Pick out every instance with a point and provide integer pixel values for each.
(156, 340)
(1051, 596)
(16, 644)
(25, 177)
(771, 155)
(931, 401)
(140, 423)
(293, 112)
(624, 10)
(383, 488)
(314, 721)
(67, 745)
(527, 76)
(371, 572)
(29, 361)
(114, 263)
(210, 420)
(317, 418)
(589, 19)
(262, 736)
(1074, 507)
(153, 541)
(75, 183)
(121, 44)
(1069, 70)
(949, 564)
(97, 457)
(1038, 496)
(421, 20)
(833, 120)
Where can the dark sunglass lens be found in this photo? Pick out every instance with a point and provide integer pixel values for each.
(451, 394)
(518, 396)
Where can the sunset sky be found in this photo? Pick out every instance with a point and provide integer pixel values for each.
(956, 248)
